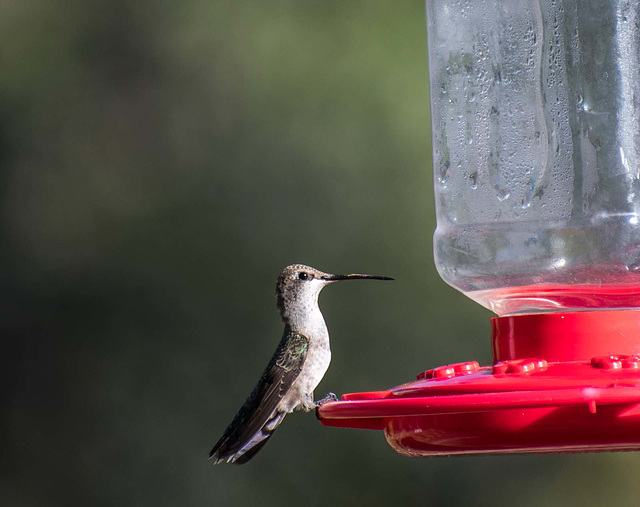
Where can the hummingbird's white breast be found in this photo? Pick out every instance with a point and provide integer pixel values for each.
(310, 322)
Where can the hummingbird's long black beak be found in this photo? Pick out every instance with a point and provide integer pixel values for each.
(354, 276)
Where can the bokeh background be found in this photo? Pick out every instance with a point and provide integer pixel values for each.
(160, 162)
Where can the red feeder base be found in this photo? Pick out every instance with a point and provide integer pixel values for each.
(560, 383)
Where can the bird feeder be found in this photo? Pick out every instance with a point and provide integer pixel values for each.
(536, 149)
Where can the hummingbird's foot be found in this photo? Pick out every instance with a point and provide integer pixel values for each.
(327, 397)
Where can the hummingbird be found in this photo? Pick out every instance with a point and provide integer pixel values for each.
(295, 370)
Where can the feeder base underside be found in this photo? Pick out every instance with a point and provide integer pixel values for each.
(519, 406)
(540, 430)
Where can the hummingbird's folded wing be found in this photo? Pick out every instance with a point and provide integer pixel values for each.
(258, 417)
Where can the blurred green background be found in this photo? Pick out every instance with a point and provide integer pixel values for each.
(160, 163)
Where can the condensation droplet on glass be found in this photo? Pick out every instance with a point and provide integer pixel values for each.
(597, 144)
(634, 266)
(473, 178)
(502, 194)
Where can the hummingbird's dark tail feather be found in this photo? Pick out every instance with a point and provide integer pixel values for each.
(237, 446)
(243, 458)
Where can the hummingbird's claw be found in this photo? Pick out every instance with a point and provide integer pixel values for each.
(327, 397)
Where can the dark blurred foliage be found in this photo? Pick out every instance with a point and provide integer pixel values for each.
(160, 163)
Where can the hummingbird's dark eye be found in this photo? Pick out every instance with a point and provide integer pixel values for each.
(303, 276)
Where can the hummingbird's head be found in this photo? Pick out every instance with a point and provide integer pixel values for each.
(298, 287)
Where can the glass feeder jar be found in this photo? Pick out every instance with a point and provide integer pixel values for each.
(536, 150)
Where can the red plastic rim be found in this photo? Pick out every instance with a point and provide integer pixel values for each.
(561, 383)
